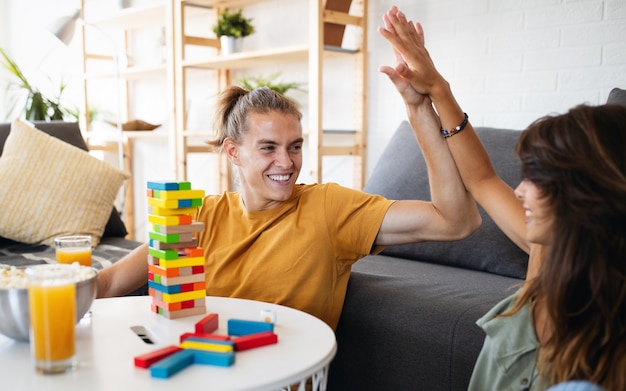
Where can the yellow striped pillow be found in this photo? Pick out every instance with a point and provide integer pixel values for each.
(50, 188)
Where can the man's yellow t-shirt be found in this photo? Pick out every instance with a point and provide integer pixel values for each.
(298, 254)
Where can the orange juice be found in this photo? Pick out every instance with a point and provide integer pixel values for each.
(52, 317)
(74, 254)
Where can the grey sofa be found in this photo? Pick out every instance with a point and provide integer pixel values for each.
(408, 322)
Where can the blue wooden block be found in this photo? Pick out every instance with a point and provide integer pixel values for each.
(163, 185)
(172, 364)
(164, 288)
(240, 327)
(213, 358)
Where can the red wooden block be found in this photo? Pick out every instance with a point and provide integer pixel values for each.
(208, 324)
(218, 337)
(146, 360)
(197, 269)
(255, 340)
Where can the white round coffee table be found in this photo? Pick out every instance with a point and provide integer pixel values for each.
(106, 347)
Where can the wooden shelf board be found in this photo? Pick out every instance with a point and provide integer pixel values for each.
(152, 14)
(252, 58)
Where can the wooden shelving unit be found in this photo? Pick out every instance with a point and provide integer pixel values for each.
(327, 22)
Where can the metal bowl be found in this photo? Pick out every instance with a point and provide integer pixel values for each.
(14, 316)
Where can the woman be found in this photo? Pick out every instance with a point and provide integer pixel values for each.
(568, 322)
(280, 242)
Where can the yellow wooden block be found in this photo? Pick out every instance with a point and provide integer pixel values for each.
(170, 220)
(212, 347)
(172, 212)
(183, 296)
(181, 262)
(179, 194)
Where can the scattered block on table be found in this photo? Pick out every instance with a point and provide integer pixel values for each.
(146, 360)
(240, 327)
(196, 226)
(218, 337)
(172, 364)
(256, 340)
(213, 358)
(268, 316)
(223, 346)
(208, 324)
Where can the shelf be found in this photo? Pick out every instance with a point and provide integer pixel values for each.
(133, 17)
(251, 59)
(131, 73)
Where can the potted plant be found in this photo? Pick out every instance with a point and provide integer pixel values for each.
(36, 106)
(231, 27)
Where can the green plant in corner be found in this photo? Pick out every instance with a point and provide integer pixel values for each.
(233, 24)
(37, 107)
(252, 83)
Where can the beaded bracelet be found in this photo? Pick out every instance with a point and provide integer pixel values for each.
(450, 133)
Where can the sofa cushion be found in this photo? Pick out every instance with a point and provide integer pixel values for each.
(70, 133)
(617, 96)
(53, 188)
(401, 174)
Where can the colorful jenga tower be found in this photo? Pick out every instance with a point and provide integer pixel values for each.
(176, 278)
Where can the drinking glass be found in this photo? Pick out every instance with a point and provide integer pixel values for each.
(75, 248)
(52, 311)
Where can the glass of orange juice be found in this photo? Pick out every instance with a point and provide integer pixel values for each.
(52, 311)
(75, 248)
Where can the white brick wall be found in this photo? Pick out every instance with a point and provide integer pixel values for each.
(508, 61)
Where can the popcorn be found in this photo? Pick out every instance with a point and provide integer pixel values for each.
(13, 277)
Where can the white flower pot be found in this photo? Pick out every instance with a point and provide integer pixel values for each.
(230, 44)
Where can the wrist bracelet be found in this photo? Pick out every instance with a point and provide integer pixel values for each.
(450, 133)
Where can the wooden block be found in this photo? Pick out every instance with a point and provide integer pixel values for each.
(192, 251)
(178, 313)
(208, 324)
(174, 204)
(182, 262)
(153, 210)
(178, 194)
(172, 364)
(168, 185)
(173, 229)
(256, 340)
(150, 193)
(163, 254)
(171, 238)
(199, 277)
(163, 272)
(180, 305)
(146, 360)
(170, 220)
(174, 297)
(214, 337)
(204, 344)
(165, 288)
(195, 286)
(167, 246)
(240, 327)
(213, 358)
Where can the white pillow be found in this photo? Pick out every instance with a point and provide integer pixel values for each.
(50, 188)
